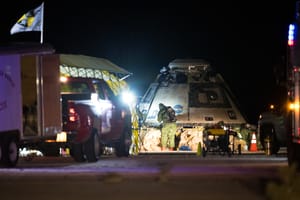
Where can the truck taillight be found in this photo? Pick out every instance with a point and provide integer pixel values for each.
(73, 116)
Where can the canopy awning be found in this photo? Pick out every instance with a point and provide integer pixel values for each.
(83, 61)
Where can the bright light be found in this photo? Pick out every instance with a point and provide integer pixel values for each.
(94, 97)
(128, 97)
(100, 106)
(72, 110)
(294, 106)
(61, 137)
(291, 36)
(63, 79)
(291, 42)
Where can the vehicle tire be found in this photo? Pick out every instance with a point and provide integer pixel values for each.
(1, 152)
(77, 152)
(92, 147)
(123, 145)
(293, 153)
(275, 145)
(9, 152)
(13, 152)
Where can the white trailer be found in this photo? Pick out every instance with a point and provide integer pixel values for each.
(29, 98)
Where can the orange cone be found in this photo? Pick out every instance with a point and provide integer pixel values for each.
(253, 146)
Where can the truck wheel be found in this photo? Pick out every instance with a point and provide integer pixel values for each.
(293, 153)
(123, 145)
(1, 153)
(13, 153)
(77, 152)
(91, 147)
(9, 152)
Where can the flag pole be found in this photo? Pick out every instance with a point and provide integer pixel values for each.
(42, 23)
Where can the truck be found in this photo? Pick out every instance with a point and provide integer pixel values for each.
(272, 130)
(104, 121)
(201, 98)
(293, 92)
(37, 110)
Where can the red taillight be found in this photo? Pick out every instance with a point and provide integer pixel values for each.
(73, 116)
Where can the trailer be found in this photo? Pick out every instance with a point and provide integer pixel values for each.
(24, 91)
(38, 111)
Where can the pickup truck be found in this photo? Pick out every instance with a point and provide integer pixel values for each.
(93, 118)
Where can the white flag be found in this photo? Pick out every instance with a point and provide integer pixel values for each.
(30, 21)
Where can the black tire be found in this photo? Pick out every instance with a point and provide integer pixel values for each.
(9, 152)
(1, 153)
(293, 153)
(123, 145)
(91, 147)
(293, 149)
(77, 152)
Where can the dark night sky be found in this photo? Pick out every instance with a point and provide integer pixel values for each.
(243, 40)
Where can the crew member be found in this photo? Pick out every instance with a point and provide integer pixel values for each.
(166, 116)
